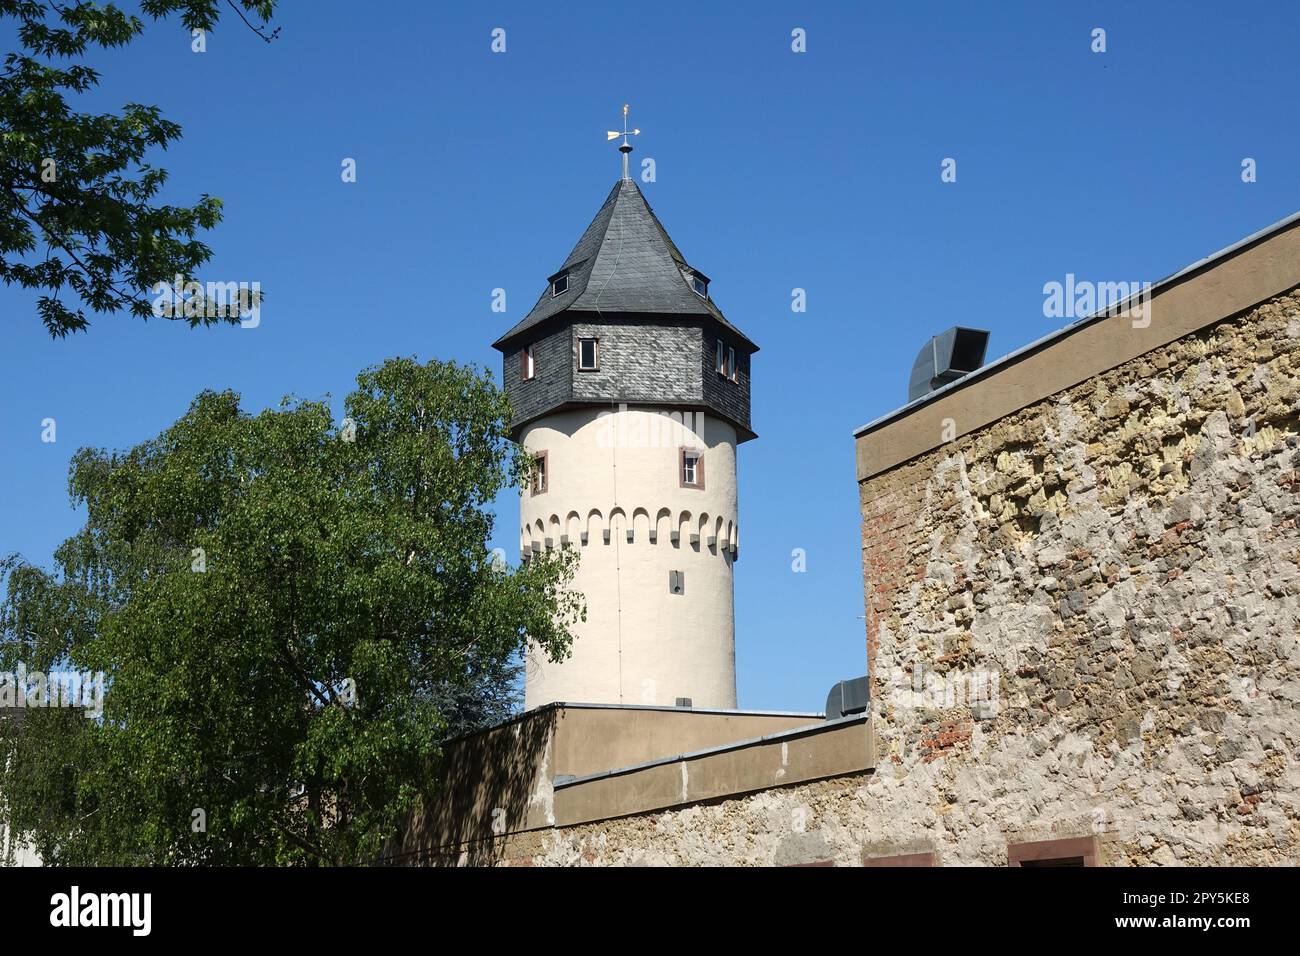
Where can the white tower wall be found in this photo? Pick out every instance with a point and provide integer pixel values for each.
(615, 474)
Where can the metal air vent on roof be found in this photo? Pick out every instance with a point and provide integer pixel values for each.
(945, 358)
(848, 697)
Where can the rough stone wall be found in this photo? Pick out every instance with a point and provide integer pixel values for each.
(812, 823)
(1082, 619)
(1119, 564)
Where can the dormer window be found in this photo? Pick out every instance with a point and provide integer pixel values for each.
(698, 281)
(560, 284)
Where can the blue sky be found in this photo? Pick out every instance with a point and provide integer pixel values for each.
(775, 170)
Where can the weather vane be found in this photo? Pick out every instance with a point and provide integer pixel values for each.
(626, 147)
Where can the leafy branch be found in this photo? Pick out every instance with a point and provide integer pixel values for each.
(78, 183)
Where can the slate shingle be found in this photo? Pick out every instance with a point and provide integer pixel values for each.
(624, 262)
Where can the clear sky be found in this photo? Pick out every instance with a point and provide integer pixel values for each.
(775, 170)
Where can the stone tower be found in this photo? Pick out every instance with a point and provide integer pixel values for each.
(631, 392)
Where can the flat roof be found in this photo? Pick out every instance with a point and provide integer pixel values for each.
(683, 710)
(560, 704)
(795, 732)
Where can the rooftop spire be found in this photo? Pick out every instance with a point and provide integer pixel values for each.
(625, 264)
(625, 147)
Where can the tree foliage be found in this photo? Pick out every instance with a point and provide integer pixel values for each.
(78, 210)
(290, 615)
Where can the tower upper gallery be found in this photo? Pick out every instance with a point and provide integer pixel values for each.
(627, 320)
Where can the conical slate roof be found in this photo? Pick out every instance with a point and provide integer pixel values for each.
(625, 262)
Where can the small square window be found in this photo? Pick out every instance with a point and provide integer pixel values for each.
(588, 355)
(527, 365)
(539, 474)
(559, 285)
(731, 364)
(692, 468)
(1079, 851)
(700, 286)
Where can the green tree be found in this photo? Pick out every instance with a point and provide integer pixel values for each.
(291, 615)
(77, 200)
